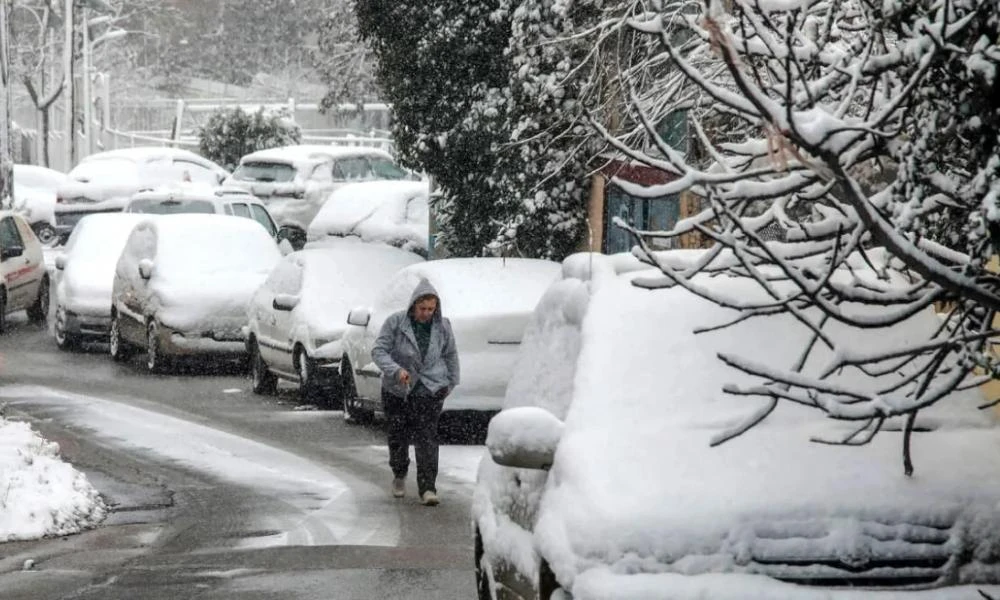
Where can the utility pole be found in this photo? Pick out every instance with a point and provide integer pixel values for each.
(6, 123)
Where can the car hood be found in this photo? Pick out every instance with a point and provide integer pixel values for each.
(205, 301)
(771, 502)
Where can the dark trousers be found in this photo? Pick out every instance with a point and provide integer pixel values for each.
(414, 421)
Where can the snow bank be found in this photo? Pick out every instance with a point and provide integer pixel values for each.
(392, 212)
(40, 495)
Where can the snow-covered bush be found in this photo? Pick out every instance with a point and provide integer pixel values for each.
(228, 135)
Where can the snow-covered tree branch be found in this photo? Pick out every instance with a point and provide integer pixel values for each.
(847, 154)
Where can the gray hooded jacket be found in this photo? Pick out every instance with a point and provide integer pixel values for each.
(396, 348)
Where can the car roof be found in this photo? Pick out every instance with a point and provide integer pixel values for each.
(147, 153)
(312, 153)
(186, 223)
(217, 195)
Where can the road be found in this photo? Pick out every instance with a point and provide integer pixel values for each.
(218, 493)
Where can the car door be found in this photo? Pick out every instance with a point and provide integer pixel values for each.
(263, 217)
(275, 326)
(130, 288)
(33, 254)
(16, 270)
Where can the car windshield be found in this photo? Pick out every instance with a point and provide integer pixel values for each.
(265, 172)
(170, 207)
(383, 168)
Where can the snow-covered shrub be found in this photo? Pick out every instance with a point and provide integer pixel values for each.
(228, 135)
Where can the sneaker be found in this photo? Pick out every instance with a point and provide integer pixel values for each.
(398, 487)
(429, 498)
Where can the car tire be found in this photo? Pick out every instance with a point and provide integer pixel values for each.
(3, 311)
(117, 347)
(46, 234)
(156, 361)
(349, 395)
(38, 312)
(262, 380)
(65, 341)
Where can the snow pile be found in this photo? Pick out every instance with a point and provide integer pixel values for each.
(526, 429)
(636, 487)
(392, 212)
(40, 495)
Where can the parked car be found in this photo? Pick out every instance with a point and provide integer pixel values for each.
(171, 200)
(389, 212)
(104, 182)
(85, 272)
(35, 197)
(24, 283)
(602, 482)
(487, 300)
(299, 315)
(295, 181)
(182, 285)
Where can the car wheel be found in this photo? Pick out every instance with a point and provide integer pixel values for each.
(3, 311)
(117, 347)
(64, 340)
(156, 362)
(349, 395)
(309, 390)
(484, 589)
(263, 380)
(46, 234)
(39, 310)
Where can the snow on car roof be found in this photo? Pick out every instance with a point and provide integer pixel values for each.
(472, 287)
(189, 241)
(144, 153)
(101, 237)
(392, 212)
(311, 153)
(634, 472)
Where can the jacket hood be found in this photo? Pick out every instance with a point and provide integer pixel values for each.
(424, 288)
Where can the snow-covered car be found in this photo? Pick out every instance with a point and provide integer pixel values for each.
(85, 272)
(300, 313)
(173, 199)
(182, 285)
(105, 181)
(35, 190)
(295, 181)
(487, 300)
(390, 212)
(601, 480)
(24, 282)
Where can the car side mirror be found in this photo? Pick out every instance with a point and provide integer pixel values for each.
(524, 437)
(359, 317)
(61, 262)
(11, 252)
(145, 268)
(284, 302)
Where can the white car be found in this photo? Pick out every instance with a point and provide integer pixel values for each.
(85, 272)
(602, 481)
(182, 285)
(295, 181)
(24, 283)
(35, 190)
(172, 200)
(487, 300)
(389, 212)
(300, 313)
(105, 181)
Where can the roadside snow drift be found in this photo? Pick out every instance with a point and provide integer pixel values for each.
(40, 494)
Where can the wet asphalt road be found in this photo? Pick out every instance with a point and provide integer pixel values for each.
(183, 529)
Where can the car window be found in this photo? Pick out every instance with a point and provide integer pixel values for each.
(241, 210)
(353, 168)
(141, 243)
(228, 209)
(191, 171)
(322, 173)
(383, 168)
(170, 207)
(264, 172)
(9, 236)
(286, 278)
(260, 215)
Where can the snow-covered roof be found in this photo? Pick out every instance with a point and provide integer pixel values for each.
(146, 153)
(391, 212)
(311, 153)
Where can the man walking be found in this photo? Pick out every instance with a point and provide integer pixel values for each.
(416, 353)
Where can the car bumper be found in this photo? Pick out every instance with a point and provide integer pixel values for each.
(98, 326)
(180, 343)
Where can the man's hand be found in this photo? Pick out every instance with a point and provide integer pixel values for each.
(403, 376)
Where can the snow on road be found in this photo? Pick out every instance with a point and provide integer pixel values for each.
(328, 509)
